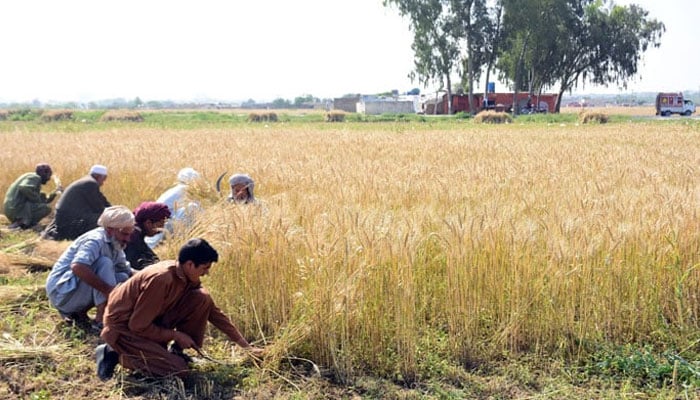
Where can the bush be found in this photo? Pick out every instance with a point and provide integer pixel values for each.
(57, 115)
(4, 114)
(335, 116)
(586, 117)
(493, 117)
(23, 114)
(262, 117)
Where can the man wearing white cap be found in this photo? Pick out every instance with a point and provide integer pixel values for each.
(91, 267)
(178, 202)
(79, 207)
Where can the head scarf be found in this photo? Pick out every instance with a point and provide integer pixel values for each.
(151, 210)
(116, 217)
(245, 180)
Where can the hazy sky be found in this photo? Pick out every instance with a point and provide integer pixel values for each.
(264, 49)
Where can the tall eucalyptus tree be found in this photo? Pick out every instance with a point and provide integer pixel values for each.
(435, 45)
(571, 42)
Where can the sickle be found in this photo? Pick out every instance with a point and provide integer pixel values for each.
(218, 182)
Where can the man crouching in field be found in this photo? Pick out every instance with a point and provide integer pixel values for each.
(91, 267)
(161, 304)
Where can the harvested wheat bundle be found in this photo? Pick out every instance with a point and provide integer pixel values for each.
(12, 349)
(11, 296)
(493, 117)
(587, 117)
(335, 116)
(121, 116)
(57, 115)
(262, 117)
(31, 263)
(50, 249)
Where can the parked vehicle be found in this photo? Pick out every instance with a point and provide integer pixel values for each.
(673, 103)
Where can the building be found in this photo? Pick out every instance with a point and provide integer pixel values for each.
(494, 101)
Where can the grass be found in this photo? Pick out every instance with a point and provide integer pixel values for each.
(406, 258)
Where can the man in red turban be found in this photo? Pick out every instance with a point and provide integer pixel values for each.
(150, 217)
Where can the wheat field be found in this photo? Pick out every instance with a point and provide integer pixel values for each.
(376, 244)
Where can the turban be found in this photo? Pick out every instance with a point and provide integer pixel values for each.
(98, 169)
(151, 210)
(116, 217)
(187, 175)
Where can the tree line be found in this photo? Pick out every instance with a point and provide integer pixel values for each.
(532, 45)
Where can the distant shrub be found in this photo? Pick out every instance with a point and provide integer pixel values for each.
(23, 114)
(4, 114)
(263, 117)
(335, 116)
(587, 117)
(57, 115)
(121, 115)
(462, 115)
(493, 117)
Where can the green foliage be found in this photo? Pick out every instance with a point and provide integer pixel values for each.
(40, 395)
(281, 103)
(644, 367)
(24, 114)
(547, 118)
(462, 115)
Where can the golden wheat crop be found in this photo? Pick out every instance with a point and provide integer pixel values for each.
(369, 238)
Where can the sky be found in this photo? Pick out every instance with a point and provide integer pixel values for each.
(230, 50)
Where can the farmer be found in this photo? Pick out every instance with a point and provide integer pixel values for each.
(25, 205)
(79, 207)
(163, 304)
(150, 218)
(91, 267)
(242, 186)
(176, 199)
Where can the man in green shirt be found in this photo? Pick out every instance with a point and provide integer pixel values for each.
(25, 204)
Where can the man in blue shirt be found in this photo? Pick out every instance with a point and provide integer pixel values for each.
(91, 267)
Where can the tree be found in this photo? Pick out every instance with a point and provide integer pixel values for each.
(526, 25)
(567, 42)
(473, 26)
(300, 100)
(280, 103)
(434, 43)
(136, 103)
(493, 38)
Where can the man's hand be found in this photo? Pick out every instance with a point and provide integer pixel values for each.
(183, 340)
(254, 351)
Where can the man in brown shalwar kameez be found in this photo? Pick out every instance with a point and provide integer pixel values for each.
(161, 305)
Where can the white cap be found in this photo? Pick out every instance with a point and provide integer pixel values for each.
(98, 169)
(187, 175)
